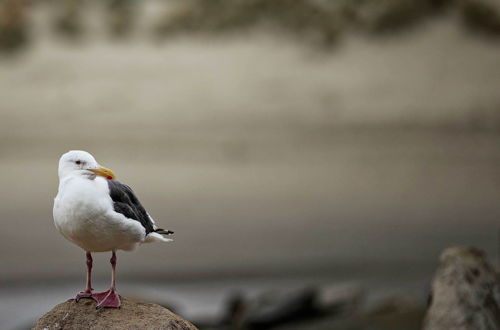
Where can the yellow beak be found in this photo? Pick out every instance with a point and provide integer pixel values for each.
(105, 172)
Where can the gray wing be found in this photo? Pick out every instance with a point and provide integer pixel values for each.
(126, 203)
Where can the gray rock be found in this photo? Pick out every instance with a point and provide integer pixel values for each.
(339, 299)
(464, 292)
(481, 16)
(275, 308)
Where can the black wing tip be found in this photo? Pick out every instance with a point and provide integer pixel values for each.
(163, 231)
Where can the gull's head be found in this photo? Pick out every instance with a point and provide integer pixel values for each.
(80, 162)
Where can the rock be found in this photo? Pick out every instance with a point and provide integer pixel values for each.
(396, 312)
(121, 17)
(387, 15)
(481, 16)
(299, 18)
(339, 299)
(274, 308)
(69, 22)
(278, 308)
(386, 315)
(464, 292)
(13, 24)
(270, 309)
(132, 315)
(394, 305)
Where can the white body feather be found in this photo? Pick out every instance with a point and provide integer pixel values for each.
(84, 214)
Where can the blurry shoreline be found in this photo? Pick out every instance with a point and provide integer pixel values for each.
(336, 271)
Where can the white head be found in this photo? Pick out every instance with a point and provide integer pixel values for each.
(82, 163)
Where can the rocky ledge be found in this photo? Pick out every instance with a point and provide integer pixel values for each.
(132, 315)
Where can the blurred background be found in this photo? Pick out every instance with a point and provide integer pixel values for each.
(292, 145)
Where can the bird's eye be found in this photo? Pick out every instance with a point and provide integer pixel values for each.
(78, 162)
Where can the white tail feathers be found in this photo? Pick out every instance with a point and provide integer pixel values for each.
(155, 237)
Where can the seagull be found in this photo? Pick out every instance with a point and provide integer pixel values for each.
(100, 214)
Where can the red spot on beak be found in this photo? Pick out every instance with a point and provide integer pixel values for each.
(109, 177)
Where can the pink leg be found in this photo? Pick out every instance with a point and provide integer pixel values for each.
(88, 290)
(109, 298)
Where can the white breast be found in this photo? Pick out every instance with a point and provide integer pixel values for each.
(83, 213)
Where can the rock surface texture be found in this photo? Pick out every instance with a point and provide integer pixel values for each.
(465, 292)
(131, 315)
